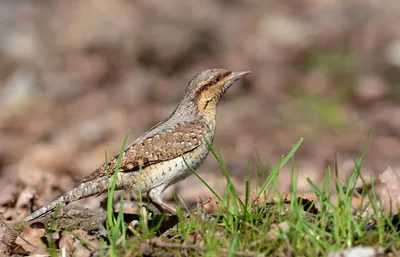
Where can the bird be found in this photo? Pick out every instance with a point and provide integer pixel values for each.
(166, 153)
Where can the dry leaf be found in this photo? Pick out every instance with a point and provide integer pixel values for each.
(390, 190)
(67, 242)
(74, 243)
(33, 243)
(24, 200)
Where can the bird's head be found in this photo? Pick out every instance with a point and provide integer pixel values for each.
(206, 88)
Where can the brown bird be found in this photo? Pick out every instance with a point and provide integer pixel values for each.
(156, 160)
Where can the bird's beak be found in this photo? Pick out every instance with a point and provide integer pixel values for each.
(237, 75)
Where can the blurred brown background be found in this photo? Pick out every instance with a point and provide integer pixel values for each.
(76, 75)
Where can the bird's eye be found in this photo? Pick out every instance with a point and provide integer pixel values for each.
(217, 79)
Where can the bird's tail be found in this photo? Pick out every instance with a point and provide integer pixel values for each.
(86, 189)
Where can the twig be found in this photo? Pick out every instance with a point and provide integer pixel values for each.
(157, 242)
(2, 221)
(201, 204)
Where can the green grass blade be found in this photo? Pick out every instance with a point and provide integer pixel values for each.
(113, 225)
(277, 168)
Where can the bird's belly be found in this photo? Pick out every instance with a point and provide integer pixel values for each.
(164, 174)
(175, 170)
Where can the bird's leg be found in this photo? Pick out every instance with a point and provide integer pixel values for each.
(156, 196)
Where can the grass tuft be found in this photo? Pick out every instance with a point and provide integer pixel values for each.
(262, 222)
(116, 228)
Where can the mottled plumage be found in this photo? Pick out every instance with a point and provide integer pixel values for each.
(163, 152)
(163, 146)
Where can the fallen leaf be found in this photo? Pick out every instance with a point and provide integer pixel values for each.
(75, 243)
(389, 182)
(67, 242)
(24, 200)
(33, 240)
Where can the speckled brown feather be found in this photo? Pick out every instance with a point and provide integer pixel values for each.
(165, 145)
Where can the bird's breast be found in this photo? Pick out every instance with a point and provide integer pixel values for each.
(167, 173)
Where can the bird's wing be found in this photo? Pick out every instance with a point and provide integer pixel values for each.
(165, 145)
